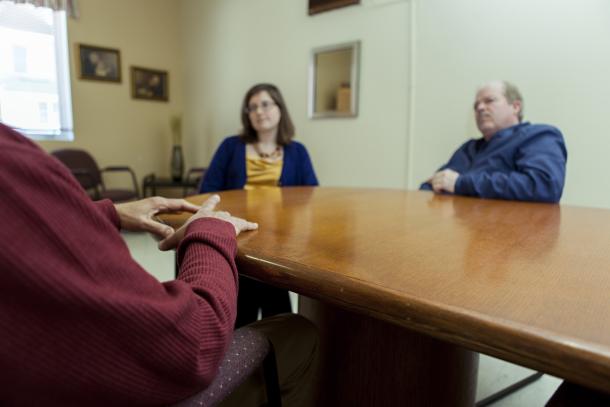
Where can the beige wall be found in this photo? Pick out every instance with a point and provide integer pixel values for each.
(115, 128)
(231, 45)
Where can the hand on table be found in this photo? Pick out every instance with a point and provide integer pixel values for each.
(444, 181)
(207, 211)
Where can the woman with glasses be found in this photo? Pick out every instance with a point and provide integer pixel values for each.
(264, 155)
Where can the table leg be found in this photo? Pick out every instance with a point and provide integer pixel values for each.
(369, 362)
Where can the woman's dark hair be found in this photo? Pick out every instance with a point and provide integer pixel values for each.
(285, 128)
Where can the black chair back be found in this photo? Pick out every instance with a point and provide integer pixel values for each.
(84, 168)
(82, 165)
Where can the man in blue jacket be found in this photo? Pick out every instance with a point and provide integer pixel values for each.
(513, 160)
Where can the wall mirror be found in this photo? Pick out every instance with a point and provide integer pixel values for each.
(333, 81)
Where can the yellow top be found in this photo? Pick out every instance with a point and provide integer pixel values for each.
(262, 173)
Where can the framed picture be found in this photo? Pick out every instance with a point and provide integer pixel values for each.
(98, 63)
(318, 6)
(149, 84)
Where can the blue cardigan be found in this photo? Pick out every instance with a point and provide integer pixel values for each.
(228, 167)
(526, 162)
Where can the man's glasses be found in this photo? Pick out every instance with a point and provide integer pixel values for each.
(265, 105)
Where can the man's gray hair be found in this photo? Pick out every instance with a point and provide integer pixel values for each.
(511, 93)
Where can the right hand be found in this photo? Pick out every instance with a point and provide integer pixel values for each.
(444, 181)
(207, 211)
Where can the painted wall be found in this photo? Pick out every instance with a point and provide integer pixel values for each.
(115, 128)
(231, 45)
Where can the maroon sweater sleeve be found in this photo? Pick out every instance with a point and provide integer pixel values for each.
(107, 209)
(82, 323)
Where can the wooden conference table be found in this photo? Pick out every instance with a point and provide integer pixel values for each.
(407, 286)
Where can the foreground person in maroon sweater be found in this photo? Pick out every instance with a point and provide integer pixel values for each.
(81, 323)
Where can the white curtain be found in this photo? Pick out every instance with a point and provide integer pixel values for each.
(69, 6)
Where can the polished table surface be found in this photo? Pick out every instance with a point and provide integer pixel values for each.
(525, 282)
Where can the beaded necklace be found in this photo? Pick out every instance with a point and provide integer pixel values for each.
(275, 154)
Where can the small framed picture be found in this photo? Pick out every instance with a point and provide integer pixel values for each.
(149, 84)
(99, 64)
(318, 6)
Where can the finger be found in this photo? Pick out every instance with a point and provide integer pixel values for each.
(167, 244)
(157, 228)
(175, 205)
(210, 203)
(244, 226)
(171, 241)
(250, 226)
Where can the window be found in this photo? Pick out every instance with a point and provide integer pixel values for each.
(34, 71)
(20, 58)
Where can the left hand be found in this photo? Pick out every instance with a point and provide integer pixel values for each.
(138, 216)
(444, 181)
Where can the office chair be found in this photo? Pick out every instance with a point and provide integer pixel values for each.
(88, 174)
(248, 350)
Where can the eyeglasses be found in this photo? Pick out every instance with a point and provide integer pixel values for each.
(265, 105)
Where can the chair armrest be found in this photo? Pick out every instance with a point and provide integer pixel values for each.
(124, 169)
(81, 172)
(194, 176)
(116, 168)
(196, 170)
